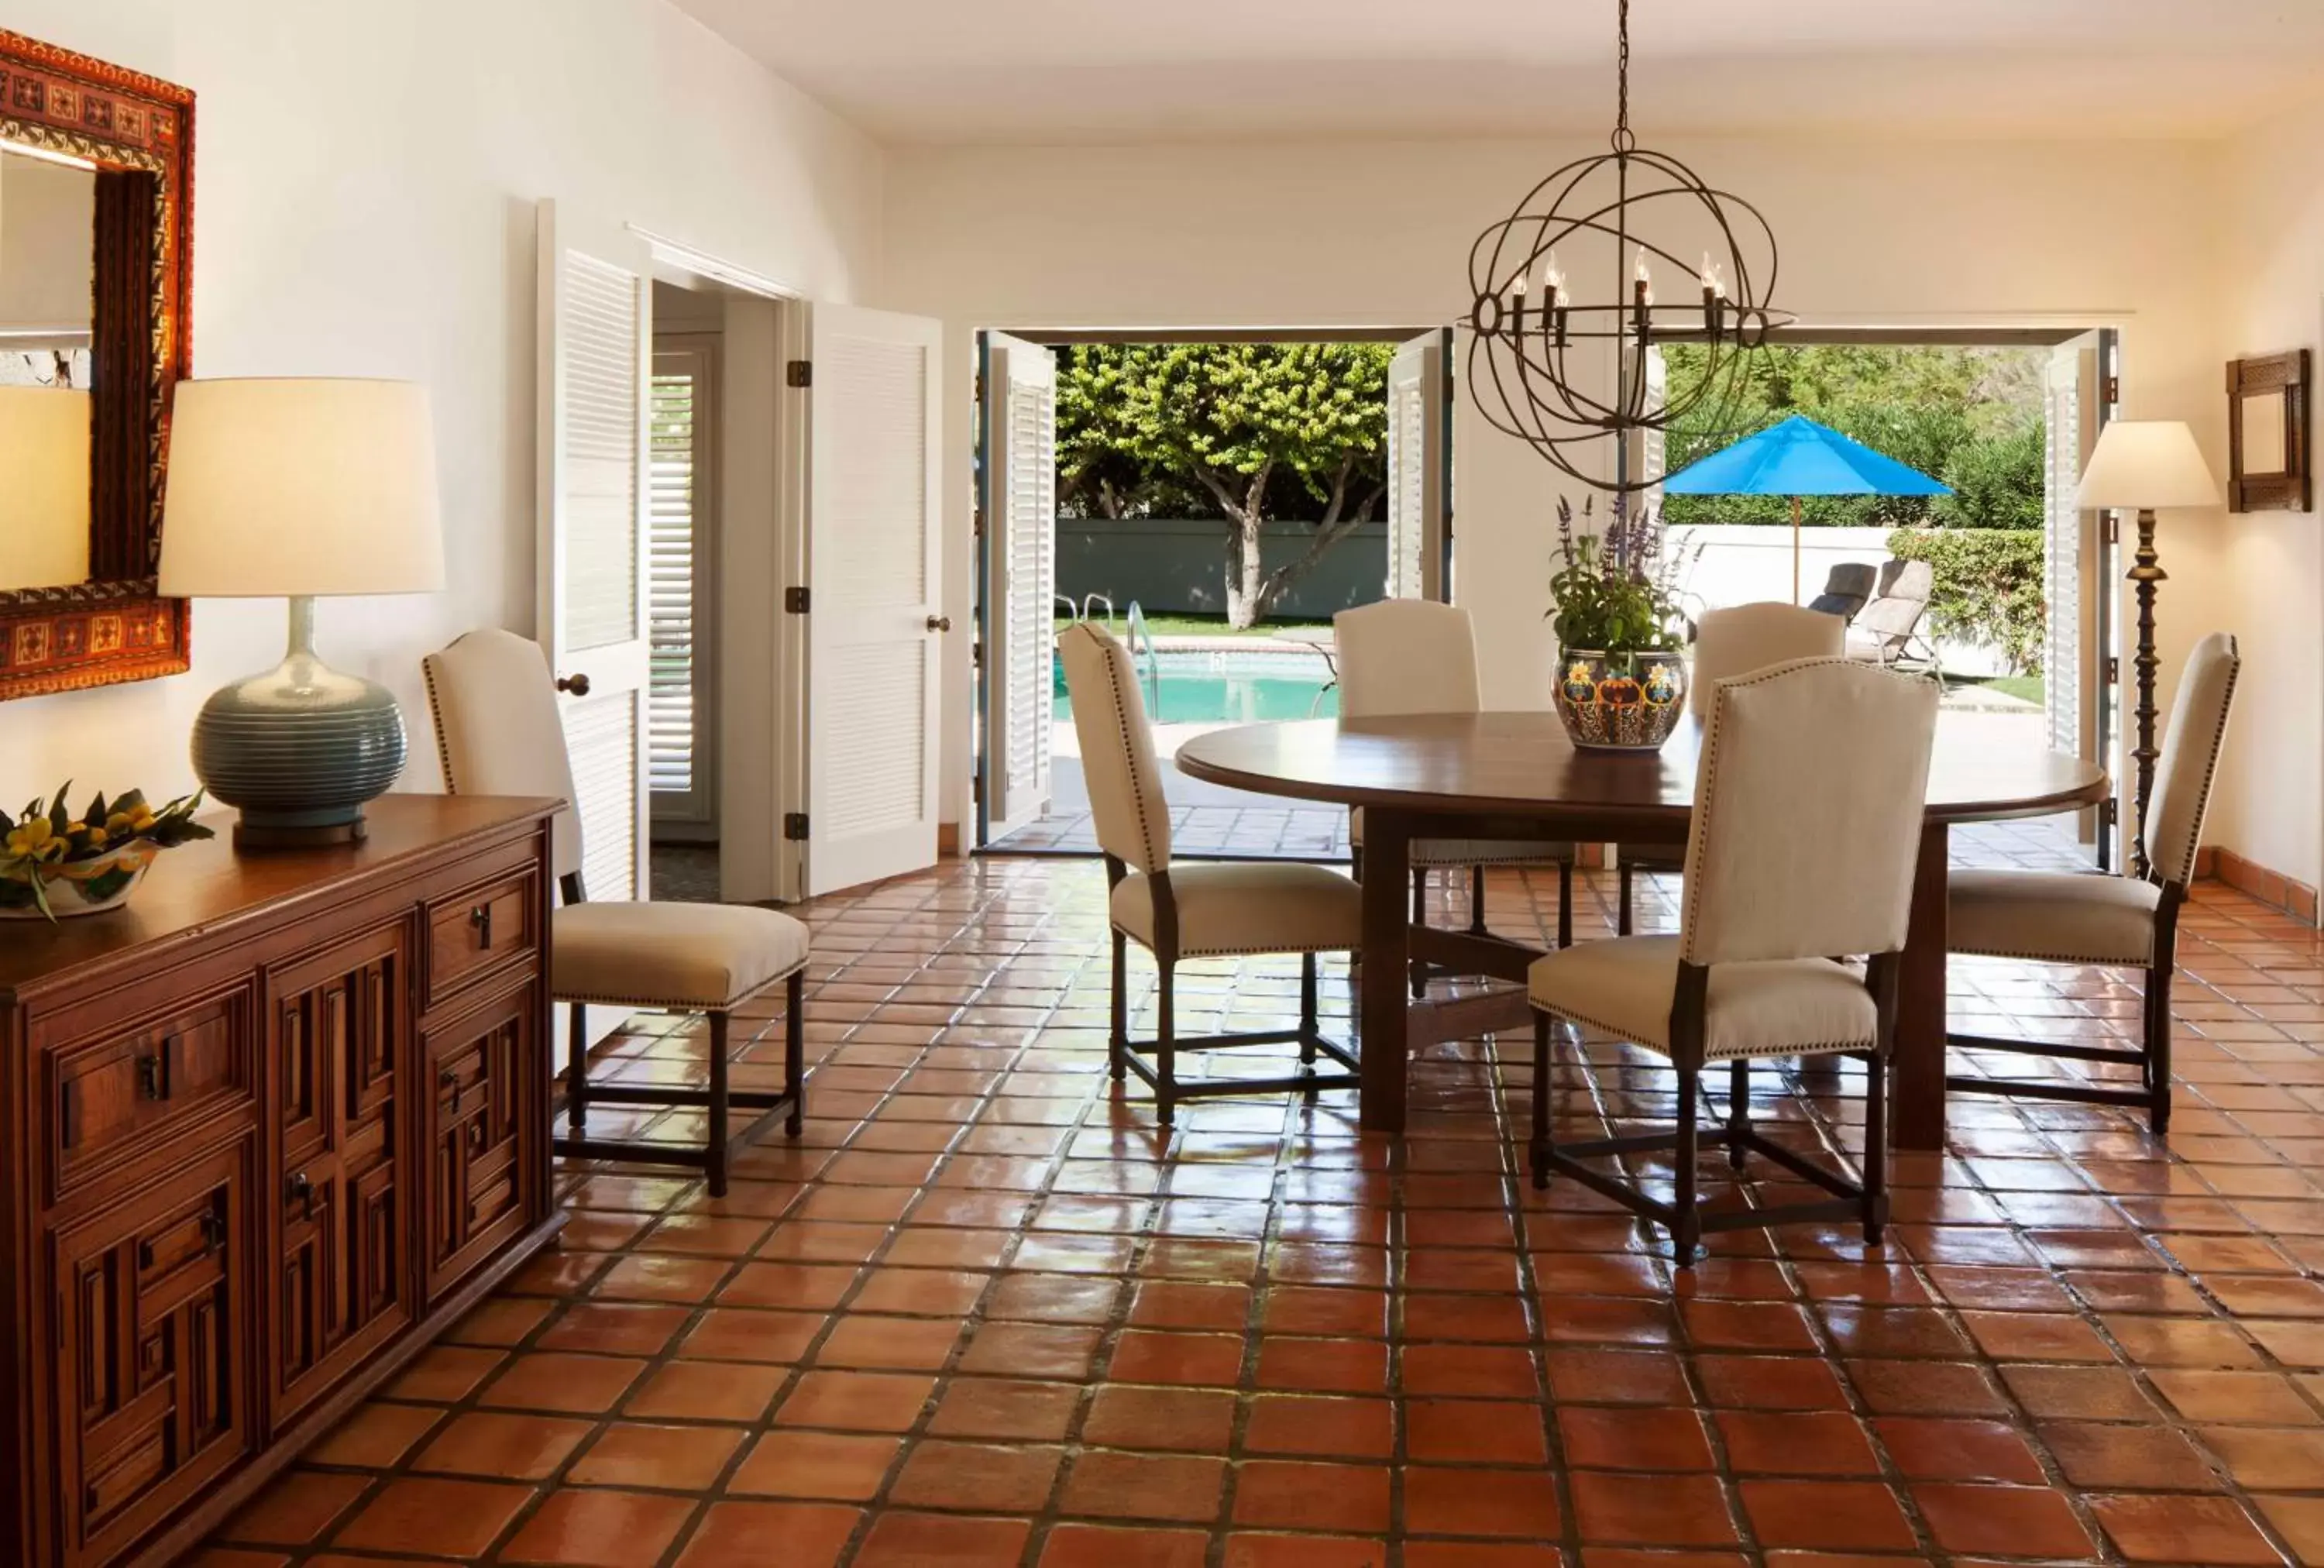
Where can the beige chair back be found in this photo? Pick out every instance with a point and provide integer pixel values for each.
(1117, 744)
(1747, 637)
(1807, 813)
(1406, 655)
(498, 731)
(2191, 758)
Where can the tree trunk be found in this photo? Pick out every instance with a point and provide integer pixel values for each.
(1246, 574)
(1340, 520)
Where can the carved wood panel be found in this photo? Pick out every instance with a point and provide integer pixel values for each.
(482, 1136)
(150, 1380)
(342, 1280)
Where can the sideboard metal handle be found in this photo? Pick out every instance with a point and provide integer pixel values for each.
(148, 1075)
(481, 917)
(449, 1079)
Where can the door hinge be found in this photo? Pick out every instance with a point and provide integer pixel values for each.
(799, 373)
(976, 653)
(976, 526)
(2110, 812)
(2113, 670)
(2112, 393)
(795, 601)
(795, 826)
(976, 789)
(980, 386)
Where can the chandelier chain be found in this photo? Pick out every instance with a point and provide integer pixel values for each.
(1623, 141)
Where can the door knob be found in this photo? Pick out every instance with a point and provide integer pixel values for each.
(579, 685)
(939, 622)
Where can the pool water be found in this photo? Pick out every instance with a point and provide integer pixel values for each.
(1201, 689)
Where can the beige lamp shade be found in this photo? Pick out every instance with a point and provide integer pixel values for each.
(288, 487)
(44, 500)
(2146, 465)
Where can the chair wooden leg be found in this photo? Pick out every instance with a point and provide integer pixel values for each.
(1876, 1147)
(1622, 900)
(1686, 1223)
(1565, 903)
(716, 1112)
(1542, 1146)
(1477, 902)
(1310, 1012)
(576, 1066)
(1738, 1109)
(1118, 1043)
(1166, 1041)
(2158, 1048)
(795, 1051)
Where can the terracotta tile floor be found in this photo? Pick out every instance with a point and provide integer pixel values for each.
(983, 1314)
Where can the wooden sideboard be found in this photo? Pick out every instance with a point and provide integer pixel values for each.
(269, 1129)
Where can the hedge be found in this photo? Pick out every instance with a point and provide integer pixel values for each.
(1988, 587)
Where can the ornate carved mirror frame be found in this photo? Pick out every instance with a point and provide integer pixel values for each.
(138, 134)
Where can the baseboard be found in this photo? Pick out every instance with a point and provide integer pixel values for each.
(2272, 888)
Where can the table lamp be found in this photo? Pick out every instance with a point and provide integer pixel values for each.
(2145, 466)
(45, 506)
(297, 489)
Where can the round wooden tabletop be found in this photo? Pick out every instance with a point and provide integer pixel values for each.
(1522, 764)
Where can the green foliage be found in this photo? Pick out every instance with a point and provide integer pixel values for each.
(1614, 601)
(1244, 432)
(1970, 417)
(1988, 587)
(46, 835)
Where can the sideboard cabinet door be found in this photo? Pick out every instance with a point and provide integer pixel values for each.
(150, 1378)
(486, 1120)
(342, 1282)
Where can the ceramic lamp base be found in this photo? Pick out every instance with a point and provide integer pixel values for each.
(300, 747)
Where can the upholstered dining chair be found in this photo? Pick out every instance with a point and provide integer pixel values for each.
(1180, 911)
(1728, 642)
(1804, 766)
(498, 732)
(2129, 922)
(1415, 656)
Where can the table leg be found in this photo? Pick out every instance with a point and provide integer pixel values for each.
(1918, 1080)
(1382, 995)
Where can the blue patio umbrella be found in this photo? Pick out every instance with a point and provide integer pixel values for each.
(1798, 457)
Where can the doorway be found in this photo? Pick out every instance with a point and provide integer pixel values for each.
(1219, 562)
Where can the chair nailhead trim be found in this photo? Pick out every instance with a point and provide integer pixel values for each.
(1818, 1047)
(596, 998)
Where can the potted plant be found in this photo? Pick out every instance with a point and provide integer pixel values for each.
(1621, 632)
(53, 863)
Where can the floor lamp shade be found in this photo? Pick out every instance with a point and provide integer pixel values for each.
(44, 504)
(2146, 465)
(298, 489)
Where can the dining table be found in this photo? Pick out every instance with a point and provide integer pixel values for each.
(1516, 775)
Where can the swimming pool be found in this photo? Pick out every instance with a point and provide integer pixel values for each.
(1203, 687)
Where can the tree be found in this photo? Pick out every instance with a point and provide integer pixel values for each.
(1256, 431)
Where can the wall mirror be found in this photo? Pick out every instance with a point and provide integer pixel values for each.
(96, 258)
(2268, 465)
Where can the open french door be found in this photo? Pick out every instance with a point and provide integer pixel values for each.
(596, 356)
(1420, 470)
(1019, 502)
(875, 587)
(2073, 587)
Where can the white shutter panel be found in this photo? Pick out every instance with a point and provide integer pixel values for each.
(874, 576)
(2069, 694)
(1416, 468)
(681, 765)
(1020, 456)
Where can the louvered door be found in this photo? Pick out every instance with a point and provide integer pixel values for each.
(2071, 694)
(1419, 474)
(342, 1276)
(875, 626)
(1020, 502)
(596, 333)
(681, 730)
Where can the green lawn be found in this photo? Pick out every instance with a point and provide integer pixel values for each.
(1200, 625)
(2027, 687)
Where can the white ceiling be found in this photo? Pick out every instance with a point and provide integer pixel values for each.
(1136, 71)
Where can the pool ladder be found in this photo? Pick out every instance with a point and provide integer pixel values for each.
(1141, 632)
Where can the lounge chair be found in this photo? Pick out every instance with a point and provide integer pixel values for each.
(1847, 587)
(1888, 630)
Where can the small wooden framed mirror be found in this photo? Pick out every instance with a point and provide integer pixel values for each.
(96, 229)
(2269, 466)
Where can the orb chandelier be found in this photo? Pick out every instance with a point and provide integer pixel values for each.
(1539, 358)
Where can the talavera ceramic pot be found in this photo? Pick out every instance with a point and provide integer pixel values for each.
(1620, 702)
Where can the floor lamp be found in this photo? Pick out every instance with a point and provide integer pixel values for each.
(2145, 466)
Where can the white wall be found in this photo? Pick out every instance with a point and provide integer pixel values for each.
(1973, 232)
(2268, 586)
(365, 183)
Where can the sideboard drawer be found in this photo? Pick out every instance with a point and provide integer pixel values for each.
(114, 1099)
(481, 931)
